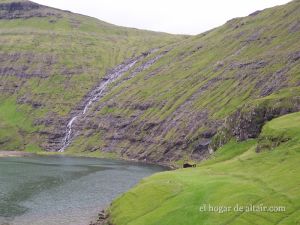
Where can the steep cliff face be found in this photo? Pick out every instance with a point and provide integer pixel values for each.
(172, 104)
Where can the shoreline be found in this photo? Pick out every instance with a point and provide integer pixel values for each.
(103, 216)
(15, 154)
(44, 153)
(80, 155)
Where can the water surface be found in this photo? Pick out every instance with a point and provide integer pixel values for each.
(62, 190)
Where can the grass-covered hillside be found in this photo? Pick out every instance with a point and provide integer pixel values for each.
(178, 103)
(234, 175)
(231, 95)
(50, 59)
(224, 83)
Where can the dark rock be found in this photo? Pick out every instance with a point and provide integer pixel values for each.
(18, 6)
(103, 219)
(247, 123)
(255, 13)
(202, 145)
(295, 56)
(26, 9)
(208, 134)
(149, 126)
(197, 49)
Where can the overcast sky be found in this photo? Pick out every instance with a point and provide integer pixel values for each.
(172, 16)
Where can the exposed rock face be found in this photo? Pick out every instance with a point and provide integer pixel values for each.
(25, 9)
(247, 125)
(247, 122)
(19, 6)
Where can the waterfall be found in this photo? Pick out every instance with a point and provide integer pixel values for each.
(97, 93)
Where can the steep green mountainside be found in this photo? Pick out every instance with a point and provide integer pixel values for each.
(224, 83)
(166, 99)
(235, 175)
(50, 59)
(180, 102)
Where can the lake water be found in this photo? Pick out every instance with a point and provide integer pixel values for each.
(62, 190)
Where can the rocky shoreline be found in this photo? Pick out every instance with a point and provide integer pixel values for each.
(103, 219)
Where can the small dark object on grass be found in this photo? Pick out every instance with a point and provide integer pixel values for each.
(188, 165)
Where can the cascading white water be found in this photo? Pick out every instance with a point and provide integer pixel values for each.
(95, 96)
(111, 77)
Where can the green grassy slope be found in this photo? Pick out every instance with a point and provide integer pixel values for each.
(49, 60)
(172, 110)
(235, 174)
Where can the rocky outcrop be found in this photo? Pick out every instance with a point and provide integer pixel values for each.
(248, 121)
(103, 219)
(25, 9)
